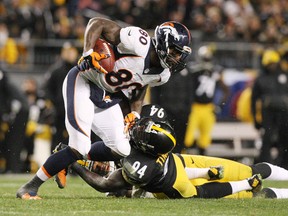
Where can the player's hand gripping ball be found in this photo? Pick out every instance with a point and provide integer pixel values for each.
(101, 58)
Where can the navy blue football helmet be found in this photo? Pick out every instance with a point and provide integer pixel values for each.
(154, 138)
(172, 43)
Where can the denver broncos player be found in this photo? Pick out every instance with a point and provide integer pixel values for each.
(88, 89)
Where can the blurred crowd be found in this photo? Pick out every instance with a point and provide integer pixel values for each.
(32, 116)
(250, 20)
(33, 122)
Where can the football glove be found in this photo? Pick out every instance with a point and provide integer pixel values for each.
(130, 119)
(91, 59)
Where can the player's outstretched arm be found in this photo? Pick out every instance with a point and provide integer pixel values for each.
(136, 103)
(114, 182)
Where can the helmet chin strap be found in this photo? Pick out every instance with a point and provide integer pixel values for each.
(163, 63)
(155, 43)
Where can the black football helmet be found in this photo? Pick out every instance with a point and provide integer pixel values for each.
(172, 40)
(151, 137)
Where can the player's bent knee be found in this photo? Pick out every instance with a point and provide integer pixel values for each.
(123, 150)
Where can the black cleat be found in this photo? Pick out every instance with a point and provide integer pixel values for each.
(255, 182)
(27, 193)
(60, 177)
(216, 172)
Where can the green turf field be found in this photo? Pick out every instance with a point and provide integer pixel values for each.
(80, 199)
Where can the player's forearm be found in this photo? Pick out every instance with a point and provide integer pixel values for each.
(93, 179)
(97, 27)
(98, 182)
(136, 101)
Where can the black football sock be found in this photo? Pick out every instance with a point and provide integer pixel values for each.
(268, 193)
(261, 168)
(59, 161)
(270, 172)
(100, 152)
(31, 187)
(214, 190)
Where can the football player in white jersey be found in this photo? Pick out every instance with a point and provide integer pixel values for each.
(89, 91)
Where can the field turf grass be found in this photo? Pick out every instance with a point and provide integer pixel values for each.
(80, 199)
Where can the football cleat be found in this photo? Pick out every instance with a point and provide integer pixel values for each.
(27, 193)
(60, 177)
(255, 182)
(59, 147)
(119, 193)
(216, 172)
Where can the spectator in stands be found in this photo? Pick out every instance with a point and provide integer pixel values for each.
(38, 130)
(63, 24)
(215, 19)
(271, 88)
(13, 118)
(206, 77)
(55, 77)
(109, 7)
(124, 12)
(8, 46)
(42, 20)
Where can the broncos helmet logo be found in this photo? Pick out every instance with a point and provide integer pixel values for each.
(176, 36)
(168, 28)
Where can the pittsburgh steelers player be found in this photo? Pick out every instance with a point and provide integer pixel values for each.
(206, 78)
(87, 88)
(180, 176)
(152, 167)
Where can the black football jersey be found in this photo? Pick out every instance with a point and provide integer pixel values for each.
(153, 174)
(205, 78)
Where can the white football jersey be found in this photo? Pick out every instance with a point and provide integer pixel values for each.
(132, 65)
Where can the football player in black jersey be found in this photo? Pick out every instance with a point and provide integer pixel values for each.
(206, 78)
(178, 176)
(152, 167)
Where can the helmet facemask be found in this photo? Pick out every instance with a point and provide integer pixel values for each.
(151, 137)
(171, 42)
(140, 134)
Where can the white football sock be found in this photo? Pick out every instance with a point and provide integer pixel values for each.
(277, 173)
(41, 174)
(238, 186)
(193, 173)
(281, 193)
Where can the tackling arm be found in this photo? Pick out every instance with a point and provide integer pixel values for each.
(136, 102)
(114, 182)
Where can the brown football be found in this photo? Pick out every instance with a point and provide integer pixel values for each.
(102, 46)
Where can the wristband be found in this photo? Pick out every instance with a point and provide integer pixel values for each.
(136, 114)
(85, 54)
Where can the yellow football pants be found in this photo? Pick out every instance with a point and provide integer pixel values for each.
(201, 120)
(233, 171)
